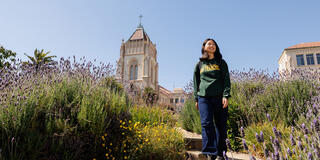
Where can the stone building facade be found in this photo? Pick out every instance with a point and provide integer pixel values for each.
(138, 61)
(139, 67)
(300, 56)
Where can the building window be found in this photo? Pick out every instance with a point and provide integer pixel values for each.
(310, 60)
(300, 60)
(176, 100)
(318, 58)
(136, 72)
(131, 72)
(171, 100)
(181, 100)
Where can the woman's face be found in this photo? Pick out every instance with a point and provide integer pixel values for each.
(210, 47)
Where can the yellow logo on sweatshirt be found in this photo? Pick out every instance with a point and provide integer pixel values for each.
(210, 67)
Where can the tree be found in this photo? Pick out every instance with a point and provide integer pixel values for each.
(149, 95)
(6, 57)
(40, 58)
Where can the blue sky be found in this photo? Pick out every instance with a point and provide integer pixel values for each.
(250, 33)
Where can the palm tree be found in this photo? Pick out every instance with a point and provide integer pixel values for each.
(40, 57)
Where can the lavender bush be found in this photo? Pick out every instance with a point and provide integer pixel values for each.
(300, 139)
(57, 111)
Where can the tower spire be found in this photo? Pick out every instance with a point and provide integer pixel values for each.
(140, 25)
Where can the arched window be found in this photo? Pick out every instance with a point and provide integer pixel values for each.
(151, 76)
(131, 72)
(136, 72)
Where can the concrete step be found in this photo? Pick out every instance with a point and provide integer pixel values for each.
(197, 155)
(193, 143)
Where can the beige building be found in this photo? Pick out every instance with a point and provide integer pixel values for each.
(300, 56)
(138, 66)
(138, 61)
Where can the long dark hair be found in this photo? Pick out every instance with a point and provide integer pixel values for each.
(205, 55)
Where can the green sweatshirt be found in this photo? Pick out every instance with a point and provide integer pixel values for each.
(212, 79)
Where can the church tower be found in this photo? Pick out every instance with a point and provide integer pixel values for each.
(138, 61)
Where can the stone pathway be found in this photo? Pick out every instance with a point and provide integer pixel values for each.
(194, 143)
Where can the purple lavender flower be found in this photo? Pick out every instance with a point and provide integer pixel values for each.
(254, 147)
(225, 155)
(277, 144)
(310, 156)
(276, 155)
(294, 151)
(317, 152)
(279, 134)
(274, 129)
(316, 125)
(245, 146)
(268, 116)
(252, 157)
(228, 144)
(266, 152)
(242, 132)
(293, 142)
(258, 138)
(261, 137)
(289, 152)
(300, 145)
(306, 138)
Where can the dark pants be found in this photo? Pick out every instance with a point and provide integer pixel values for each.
(213, 124)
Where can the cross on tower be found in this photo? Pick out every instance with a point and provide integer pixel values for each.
(140, 25)
(140, 18)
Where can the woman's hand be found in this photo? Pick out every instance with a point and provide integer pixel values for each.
(225, 102)
(197, 107)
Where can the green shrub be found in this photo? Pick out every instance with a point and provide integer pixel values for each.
(154, 114)
(190, 117)
(281, 99)
(140, 141)
(60, 119)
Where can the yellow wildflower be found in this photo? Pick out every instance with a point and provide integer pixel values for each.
(103, 145)
(105, 134)
(147, 140)
(129, 121)
(102, 137)
(122, 133)
(125, 157)
(94, 159)
(110, 144)
(107, 154)
(124, 151)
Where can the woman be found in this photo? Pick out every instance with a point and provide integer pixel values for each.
(212, 90)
